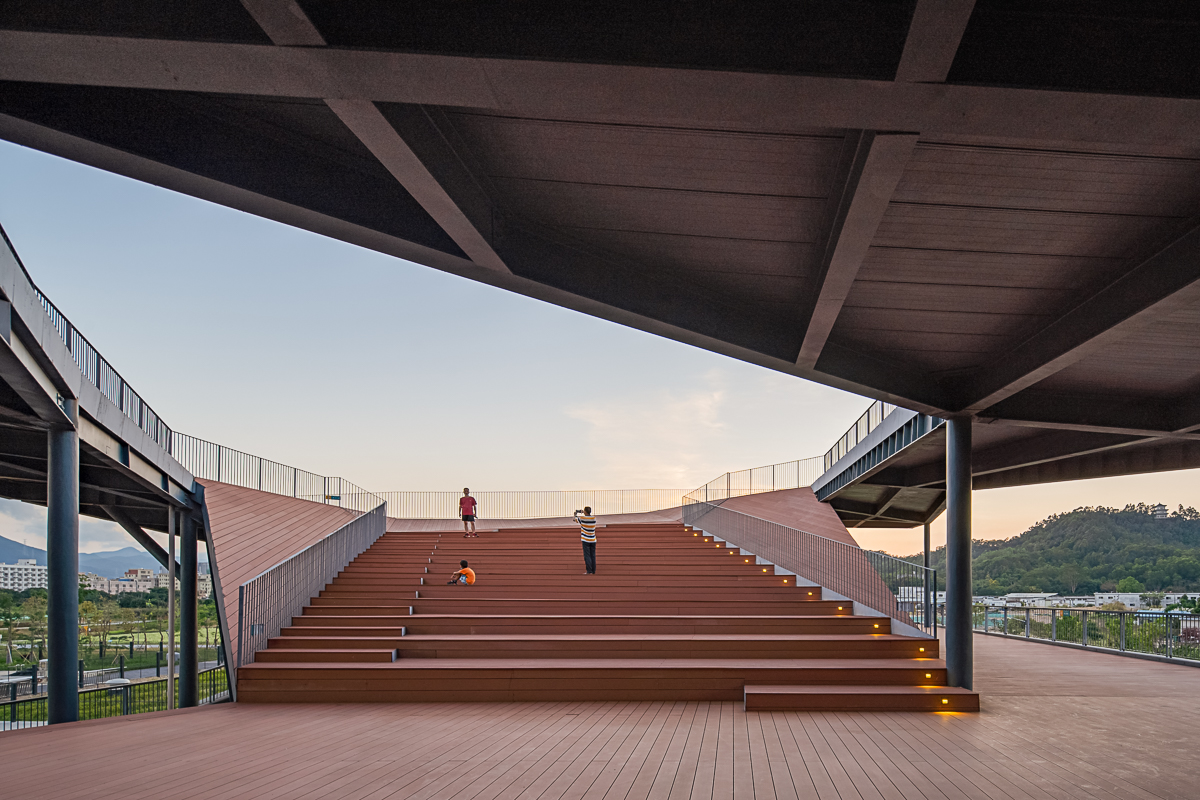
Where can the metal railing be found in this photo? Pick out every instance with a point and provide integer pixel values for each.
(863, 576)
(96, 369)
(530, 505)
(115, 700)
(771, 478)
(791, 474)
(869, 421)
(1153, 633)
(268, 601)
(207, 460)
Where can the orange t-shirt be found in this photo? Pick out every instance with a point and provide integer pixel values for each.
(469, 573)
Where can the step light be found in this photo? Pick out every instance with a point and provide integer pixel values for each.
(928, 675)
(922, 649)
(945, 701)
(876, 626)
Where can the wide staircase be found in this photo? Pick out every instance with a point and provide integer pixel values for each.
(670, 615)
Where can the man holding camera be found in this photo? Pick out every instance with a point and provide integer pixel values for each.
(587, 533)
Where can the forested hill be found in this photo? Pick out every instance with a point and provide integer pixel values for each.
(1089, 550)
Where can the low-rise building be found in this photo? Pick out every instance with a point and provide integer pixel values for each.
(25, 574)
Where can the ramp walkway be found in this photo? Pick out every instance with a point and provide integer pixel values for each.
(671, 615)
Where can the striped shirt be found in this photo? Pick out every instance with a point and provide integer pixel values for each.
(587, 528)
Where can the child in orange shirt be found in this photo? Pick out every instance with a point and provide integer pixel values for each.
(464, 577)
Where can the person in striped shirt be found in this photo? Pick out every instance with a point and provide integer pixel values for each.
(587, 533)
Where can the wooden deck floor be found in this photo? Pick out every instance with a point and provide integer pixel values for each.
(1056, 723)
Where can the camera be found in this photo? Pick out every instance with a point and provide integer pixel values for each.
(579, 511)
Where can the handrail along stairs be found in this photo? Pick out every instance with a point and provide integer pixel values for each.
(865, 577)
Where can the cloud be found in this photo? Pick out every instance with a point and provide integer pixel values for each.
(26, 523)
(660, 441)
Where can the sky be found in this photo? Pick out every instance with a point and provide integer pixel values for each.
(342, 361)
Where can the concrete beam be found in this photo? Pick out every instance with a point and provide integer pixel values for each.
(878, 162)
(598, 92)
(933, 37)
(1166, 281)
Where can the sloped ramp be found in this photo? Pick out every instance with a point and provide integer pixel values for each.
(251, 531)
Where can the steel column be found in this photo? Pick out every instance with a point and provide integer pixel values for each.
(929, 602)
(959, 649)
(172, 520)
(62, 560)
(189, 655)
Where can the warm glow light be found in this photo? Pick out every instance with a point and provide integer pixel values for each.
(839, 608)
(945, 701)
(785, 580)
(764, 569)
(747, 561)
(927, 675)
(922, 649)
(876, 626)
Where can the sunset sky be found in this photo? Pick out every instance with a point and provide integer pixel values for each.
(339, 360)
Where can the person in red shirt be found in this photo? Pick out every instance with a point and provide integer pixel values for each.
(467, 507)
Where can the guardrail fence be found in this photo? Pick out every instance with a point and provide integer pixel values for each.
(771, 478)
(268, 601)
(216, 462)
(115, 700)
(866, 577)
(791, 474)
(530, 505)
(1173, 635)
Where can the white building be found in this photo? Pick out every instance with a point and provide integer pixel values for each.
(916, 594)
(1031, 599)
(25, 574)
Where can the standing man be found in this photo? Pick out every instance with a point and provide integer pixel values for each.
(467, 507)
(587, 533)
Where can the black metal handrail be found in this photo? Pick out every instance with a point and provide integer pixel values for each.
(268, 601)
(211, 461)
(869, 578)
(96, 369)
(1169, 635)
(115, 700)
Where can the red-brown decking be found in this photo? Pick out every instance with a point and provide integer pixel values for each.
(253, 531)
(672, 615)
(1055, 723)
(795, 508)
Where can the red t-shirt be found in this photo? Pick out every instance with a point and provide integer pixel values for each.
(467, 505)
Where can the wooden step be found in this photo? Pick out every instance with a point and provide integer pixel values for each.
(510, 680)
(599, 645)
(859, 698)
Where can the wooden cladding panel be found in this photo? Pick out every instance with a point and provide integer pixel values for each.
(253, 531)
(1098, 183)
(666, 158)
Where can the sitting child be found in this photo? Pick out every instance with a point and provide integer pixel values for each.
(464, 577)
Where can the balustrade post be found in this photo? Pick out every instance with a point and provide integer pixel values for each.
(1027, 622)
(1084, 638)
(1121, 614)
(1054, 625)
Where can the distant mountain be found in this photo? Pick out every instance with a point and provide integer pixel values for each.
(107, 564)
(113, 563)
(1088, 550)
(10, 551)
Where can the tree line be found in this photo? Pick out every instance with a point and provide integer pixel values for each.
(1088, 550)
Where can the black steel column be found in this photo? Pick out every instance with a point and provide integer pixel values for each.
(959, 667)
(189, 655)
(62, 560)
(928, 601)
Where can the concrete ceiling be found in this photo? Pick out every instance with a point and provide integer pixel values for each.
(985, 208)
